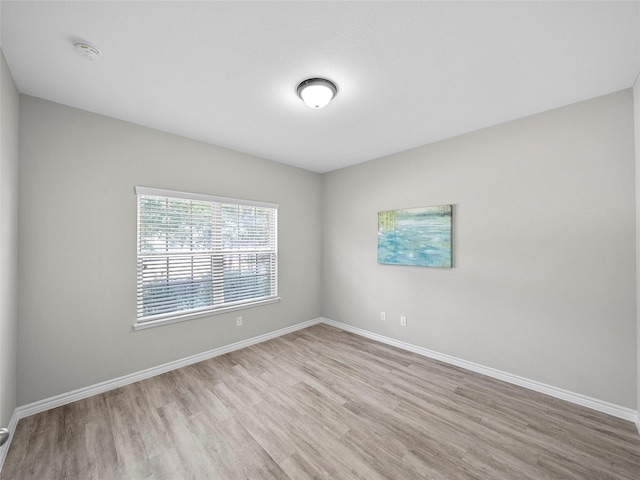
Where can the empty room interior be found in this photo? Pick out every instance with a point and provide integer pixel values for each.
(329, 240)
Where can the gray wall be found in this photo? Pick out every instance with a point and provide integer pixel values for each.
(8, 241)
(636, 105)
(78, 245)
(543, 284)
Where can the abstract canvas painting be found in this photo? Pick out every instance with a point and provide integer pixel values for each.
(415, 236)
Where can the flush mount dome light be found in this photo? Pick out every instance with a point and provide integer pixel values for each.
(317, 92)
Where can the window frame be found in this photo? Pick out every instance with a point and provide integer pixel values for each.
(210, 310)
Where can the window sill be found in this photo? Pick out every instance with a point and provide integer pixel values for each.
(200, 314)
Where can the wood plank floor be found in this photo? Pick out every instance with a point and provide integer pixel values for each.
(322, 403)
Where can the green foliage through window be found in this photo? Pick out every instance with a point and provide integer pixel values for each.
(201, 255)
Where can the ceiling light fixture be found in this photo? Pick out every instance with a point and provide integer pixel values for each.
(317, 92)
(87, 51)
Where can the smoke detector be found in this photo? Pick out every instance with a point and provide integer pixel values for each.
(87, 51)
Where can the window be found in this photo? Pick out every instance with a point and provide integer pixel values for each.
(199, 255)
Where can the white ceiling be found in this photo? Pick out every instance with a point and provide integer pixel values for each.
(408, 73)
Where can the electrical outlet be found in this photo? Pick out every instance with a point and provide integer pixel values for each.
(383, 316)
(403, 321)
(238, 321)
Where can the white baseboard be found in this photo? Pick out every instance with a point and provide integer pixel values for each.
(85, 392)
(12, 428)
(579, 399)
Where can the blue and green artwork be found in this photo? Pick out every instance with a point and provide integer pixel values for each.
(415, 236)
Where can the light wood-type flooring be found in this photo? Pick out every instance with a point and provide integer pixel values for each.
(322, 403)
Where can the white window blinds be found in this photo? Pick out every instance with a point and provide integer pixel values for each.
(199, 254)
